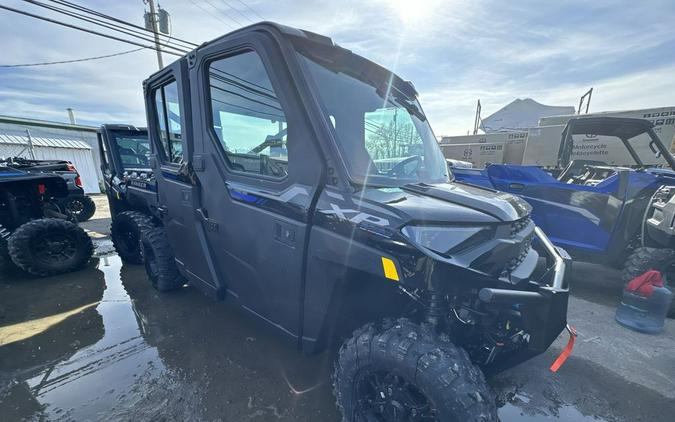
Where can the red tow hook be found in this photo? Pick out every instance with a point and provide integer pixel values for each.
(567, 351)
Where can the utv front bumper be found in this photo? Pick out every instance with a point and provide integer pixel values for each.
(543, 308)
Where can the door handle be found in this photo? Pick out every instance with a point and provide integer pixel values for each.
(203, 216)
(516, 186)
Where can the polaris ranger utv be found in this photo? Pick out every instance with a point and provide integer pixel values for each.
(592, 209)
(304, 182)
(76, 202)
(130, 186)
(35, 234)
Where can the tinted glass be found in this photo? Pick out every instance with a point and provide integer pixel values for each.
(168, 121)
(133, 149)
(247, 116)
(382, 134)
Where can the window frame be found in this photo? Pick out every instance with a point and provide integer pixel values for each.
(208, 104)
(156, 124)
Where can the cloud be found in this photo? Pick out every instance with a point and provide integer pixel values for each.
(454, 51)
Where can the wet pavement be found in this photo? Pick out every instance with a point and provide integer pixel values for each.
(101, 344)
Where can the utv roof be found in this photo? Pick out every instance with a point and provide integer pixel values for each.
(115, 126)
(309, 37)
(621, 127)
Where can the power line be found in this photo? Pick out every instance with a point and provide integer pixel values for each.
(194, 3)
(251, 9)
(79, 28)
(133, 33)
(236, 21)
(74, 60)
(112, 18)
(236, 10)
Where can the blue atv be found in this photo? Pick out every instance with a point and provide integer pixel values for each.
(593, 210)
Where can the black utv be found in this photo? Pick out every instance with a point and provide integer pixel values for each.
(130, 186)
(75, 202)
(304, 183)
(35, 235)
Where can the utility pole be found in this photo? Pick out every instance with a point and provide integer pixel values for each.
(154, 17)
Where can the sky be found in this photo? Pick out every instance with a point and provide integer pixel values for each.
(454, 51)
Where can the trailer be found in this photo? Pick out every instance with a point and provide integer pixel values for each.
(539, 145)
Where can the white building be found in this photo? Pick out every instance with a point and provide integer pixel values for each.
(54, 140)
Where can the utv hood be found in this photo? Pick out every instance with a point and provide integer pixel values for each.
(450, 202)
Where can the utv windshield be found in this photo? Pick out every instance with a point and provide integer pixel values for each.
(381, 131)
(133, 148)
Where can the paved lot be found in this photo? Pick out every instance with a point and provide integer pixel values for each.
(100, 344)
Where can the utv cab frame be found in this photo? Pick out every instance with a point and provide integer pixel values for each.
(130, 186)
(282, 187)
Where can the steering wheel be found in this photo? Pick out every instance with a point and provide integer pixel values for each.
(399, 170)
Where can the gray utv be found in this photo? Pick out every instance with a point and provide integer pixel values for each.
(304, 183)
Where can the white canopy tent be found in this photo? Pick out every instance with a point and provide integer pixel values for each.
(520, 115)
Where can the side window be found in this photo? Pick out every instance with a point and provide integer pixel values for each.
(168, 122)
(247, 116)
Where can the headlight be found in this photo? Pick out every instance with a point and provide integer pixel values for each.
(443, 239)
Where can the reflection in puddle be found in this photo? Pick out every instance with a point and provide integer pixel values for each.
(519, 408)
(96, 372)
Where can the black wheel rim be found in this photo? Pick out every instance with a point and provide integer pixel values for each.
(54, 248)
(384, 396)
(75, 206)
(130, 241)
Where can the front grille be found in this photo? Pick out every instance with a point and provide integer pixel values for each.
(514, 262)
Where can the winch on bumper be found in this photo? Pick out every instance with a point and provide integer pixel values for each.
(541, 306)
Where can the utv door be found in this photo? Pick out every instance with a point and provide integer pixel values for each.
(169, 128)
(259, 169)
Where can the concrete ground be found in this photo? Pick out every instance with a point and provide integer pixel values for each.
(100, 344)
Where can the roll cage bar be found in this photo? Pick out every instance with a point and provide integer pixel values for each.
(621, 127)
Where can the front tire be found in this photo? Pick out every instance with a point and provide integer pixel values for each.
(50, 246)
(126, 232)
(160, 263)
(81, 206)
(644, 259)
(403, 372)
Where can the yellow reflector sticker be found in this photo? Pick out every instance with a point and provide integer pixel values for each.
(389, 269)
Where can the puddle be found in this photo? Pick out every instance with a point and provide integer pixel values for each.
(101, 344)
(102, 350)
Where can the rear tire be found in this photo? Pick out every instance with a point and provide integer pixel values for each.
(644, 259)
(160, 263)
(6, 263)
(384, 373)
(81, 206)
(126, 232)
(50, 246)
